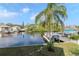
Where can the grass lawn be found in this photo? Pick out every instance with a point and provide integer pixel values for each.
(70, 49)
(61, 49)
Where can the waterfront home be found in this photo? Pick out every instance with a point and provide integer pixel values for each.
(9, 29)
(16, 28)
(70, 29)
(4, 28)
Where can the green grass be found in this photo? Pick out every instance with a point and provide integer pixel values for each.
(60, 49)
(75, 51)
(70, 49)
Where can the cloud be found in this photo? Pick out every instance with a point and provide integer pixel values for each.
(6, 13)
(33, 16)
(25, 10)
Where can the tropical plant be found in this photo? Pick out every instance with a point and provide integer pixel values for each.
(74, 37)
(50, 46)
(54, 13)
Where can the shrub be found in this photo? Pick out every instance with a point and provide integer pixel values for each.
(50, 46)
(74, 37)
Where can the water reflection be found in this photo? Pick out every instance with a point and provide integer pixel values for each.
(19, 39)
(5, 35)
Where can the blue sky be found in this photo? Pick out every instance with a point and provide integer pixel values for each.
(19, 13)
(73, 14)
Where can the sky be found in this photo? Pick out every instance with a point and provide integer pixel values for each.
(17, 13)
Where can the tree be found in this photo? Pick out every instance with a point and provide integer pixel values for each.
(9, 24)
(54, 13)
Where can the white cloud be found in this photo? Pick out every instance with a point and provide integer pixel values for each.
(25, 10)
(33, 16)
(6, 13)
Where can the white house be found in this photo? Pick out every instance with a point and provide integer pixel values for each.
(4, 28)
(15, 28)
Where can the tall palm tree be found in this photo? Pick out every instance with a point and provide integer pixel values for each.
(54, 13)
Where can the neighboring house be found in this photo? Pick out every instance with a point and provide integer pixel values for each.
(70, 27)
(15, 28)
(4, 28)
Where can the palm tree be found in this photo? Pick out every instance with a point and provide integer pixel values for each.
(54, 13)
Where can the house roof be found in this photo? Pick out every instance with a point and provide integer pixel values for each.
(4, 26)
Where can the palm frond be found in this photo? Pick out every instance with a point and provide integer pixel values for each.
(61, 11)
(59, 21)
(37, 18)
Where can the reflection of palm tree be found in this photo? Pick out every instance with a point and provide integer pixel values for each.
(54, 13)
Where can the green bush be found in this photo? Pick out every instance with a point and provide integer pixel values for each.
(50, 46)
(74, 37)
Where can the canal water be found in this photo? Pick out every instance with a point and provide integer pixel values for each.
(21, 39)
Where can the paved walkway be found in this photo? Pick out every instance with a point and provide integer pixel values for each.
(69, 40)
(65, 39)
